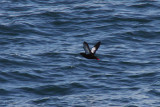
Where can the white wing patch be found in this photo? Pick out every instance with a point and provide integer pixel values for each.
(93, 49)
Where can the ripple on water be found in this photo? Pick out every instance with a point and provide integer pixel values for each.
(40, 45)
(154, 92)
(4, 92)
(55, 90)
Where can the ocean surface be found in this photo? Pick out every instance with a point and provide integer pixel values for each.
(40, 64)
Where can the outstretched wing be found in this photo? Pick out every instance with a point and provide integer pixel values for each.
(86, 48)
(95, 48)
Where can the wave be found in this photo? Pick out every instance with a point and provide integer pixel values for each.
(53, 89)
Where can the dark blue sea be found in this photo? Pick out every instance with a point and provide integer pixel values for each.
(40, 64)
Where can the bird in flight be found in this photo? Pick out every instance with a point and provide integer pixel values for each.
(90, 54)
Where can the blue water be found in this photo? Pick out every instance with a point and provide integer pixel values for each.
(40, 64)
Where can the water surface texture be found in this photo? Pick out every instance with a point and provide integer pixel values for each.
(40, 64)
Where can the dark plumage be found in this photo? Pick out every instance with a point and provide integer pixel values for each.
(90, 54)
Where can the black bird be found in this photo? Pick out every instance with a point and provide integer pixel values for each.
(89, 54)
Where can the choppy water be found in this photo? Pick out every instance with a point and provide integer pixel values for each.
(40, 42)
